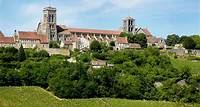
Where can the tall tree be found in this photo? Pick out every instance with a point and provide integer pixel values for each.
(21, 54)
(138, 38)
(172, 39)
(95, 46)
(189, 43)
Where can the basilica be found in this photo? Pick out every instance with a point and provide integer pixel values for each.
(75, 38)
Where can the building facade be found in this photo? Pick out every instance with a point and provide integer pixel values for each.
(48, 25)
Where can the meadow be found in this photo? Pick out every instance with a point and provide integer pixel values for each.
(38, 97)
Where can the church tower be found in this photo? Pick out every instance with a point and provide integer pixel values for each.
(48, 24)
(49, 20)
(129, 25)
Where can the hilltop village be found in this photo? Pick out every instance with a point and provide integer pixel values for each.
(76, 38)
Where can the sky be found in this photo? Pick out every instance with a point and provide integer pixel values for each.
(161, 17)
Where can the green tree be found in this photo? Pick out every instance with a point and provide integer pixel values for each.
(95, 46)
(54, 44)
(189, 43)
(172, 40)
(112, 43)
(138, 38)
(124, 34)
(21, 54)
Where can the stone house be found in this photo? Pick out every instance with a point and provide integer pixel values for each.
(98, 64)
(32, 40)
(121, 43)
(6, 41)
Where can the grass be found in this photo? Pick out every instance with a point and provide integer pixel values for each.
(194, 66)
(38, 97)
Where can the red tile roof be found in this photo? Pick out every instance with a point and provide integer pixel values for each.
(122, 40)
(147, 32)
(7, 40)
(33, 36)
(94, 31)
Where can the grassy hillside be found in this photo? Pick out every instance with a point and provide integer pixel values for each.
(180, 63)
(38, 97)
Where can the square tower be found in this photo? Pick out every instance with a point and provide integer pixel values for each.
(48, 24)
(129, 25)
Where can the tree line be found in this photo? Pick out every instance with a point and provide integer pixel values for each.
(189, 42)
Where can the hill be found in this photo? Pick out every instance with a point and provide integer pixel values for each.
(38, 97)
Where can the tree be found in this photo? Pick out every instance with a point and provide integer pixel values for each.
(189, 43)
(53, 44)
(124, 34)
(95, 46)
(172, 40)
(138, 38)
(21, 54)
(196, 39)
(42, 53)
(112, 43)
(141, 39)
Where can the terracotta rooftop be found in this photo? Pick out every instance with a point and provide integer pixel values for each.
(94, 31)
(7, 40)
(147, 32)
(122, 40)
(33, 36)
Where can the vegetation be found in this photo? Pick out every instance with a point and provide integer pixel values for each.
(54, 44)
(189, 42)
(137, 38)
(172, 40)
(38, 97)
(22, 55)
(134, 75)
(95, 46)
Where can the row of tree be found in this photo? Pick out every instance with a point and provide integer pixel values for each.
(189, 42)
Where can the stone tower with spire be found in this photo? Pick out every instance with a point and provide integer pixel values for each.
(129, 25)
(48, 24)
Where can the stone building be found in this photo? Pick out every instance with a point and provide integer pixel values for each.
(31, 40)
(6, 41)
(71, 38)
(129, 25)
(48, 25)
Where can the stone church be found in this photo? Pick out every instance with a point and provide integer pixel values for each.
(71, 38)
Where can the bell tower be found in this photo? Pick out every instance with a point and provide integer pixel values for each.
(49, 23)
(129, 25)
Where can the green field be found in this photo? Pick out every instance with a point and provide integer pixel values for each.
(180, 63)
(38, 97)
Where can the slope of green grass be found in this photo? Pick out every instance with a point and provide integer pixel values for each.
(180, 63)
(38, 97)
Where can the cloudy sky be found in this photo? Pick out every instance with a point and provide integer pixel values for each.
(161, 17)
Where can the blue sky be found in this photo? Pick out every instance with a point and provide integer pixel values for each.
(161, 17)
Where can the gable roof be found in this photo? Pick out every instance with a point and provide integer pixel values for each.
(7, 40)
(147, 32)
(91, 31)
(122, 40)
(33, 36)
(94, 31)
